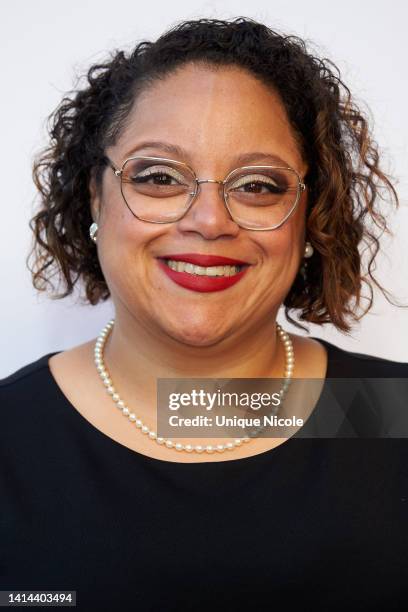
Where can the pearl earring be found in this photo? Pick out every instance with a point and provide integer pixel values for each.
(92, 231)
(309, 250)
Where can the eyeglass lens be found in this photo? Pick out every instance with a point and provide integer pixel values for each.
(162, 191)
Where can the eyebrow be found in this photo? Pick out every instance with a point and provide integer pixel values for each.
(172, 149)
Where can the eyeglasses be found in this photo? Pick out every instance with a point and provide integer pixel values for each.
(160, 190)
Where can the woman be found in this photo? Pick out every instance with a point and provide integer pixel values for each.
(202, 182)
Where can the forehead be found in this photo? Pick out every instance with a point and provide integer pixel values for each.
(212, 113)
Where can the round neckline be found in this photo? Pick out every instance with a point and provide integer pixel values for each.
(93, 430)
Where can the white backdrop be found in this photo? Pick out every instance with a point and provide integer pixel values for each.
(45, 44)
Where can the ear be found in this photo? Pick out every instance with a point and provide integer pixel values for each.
(94, 196)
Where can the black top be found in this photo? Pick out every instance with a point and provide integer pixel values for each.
(317, 523)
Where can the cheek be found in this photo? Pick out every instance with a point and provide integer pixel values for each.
(121, 232)
(123, 241)
(283, 244)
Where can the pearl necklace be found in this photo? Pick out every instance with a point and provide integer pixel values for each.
(107, 381)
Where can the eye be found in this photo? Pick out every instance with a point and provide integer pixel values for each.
(258, 184)
(158, 175)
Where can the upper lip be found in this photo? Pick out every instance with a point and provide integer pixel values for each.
(205, 260)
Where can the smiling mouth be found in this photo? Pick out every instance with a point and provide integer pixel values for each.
(201, 272)
(189, 268)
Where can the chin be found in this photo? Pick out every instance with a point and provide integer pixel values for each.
(195, 335)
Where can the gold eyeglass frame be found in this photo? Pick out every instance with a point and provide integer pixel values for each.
(198, 182)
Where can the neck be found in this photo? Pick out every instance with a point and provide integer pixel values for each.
(135, 356)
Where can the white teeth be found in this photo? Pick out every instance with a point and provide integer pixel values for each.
(183, 266)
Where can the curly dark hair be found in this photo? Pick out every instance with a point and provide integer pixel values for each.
(344, 180)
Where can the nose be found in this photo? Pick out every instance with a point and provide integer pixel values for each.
(208, 214)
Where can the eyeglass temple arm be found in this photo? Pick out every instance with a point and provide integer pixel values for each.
(111, 165)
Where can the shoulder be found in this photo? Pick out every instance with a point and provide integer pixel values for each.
(26, 396)
(26, 376)
(32, 393)
(344, 363)
(24, 392)
(32, 375)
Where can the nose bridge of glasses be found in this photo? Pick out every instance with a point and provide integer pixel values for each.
(199, 182)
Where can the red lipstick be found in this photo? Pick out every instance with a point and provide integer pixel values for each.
(205, 260)
(203, 283)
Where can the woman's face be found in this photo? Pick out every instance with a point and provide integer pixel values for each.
(214, 116)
